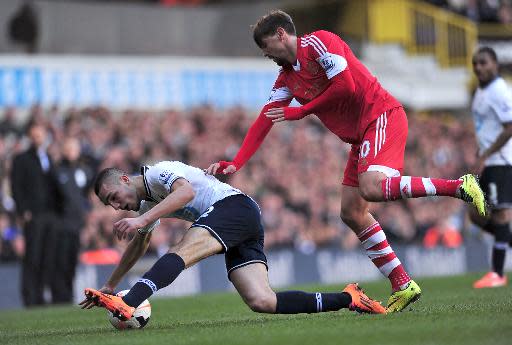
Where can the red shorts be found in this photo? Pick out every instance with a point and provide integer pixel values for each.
(382, 148)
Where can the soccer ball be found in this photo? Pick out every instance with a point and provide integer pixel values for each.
(139, 319)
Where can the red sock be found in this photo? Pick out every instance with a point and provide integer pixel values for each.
(402, 187)
(382, 255)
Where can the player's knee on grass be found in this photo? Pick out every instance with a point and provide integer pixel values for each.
(264, 302)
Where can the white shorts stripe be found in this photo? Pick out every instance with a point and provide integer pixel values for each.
(376, 136)
(250, 262)
(381, 118)
(390, 266)
(385, 125)
(430, 189)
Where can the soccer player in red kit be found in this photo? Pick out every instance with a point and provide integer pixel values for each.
(320, 71)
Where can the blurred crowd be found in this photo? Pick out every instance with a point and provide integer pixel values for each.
(484, 11)
(295, 176)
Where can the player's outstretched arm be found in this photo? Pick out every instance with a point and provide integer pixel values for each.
(252, 141)
(135, 249)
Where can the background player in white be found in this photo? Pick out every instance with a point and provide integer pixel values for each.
(224, 221)
(492, 113)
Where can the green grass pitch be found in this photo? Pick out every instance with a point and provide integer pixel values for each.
(449, 312)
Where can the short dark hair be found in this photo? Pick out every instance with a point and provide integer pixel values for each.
(490, 51)
(108, 175)
(268, 24)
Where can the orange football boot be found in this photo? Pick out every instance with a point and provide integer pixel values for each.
(362, 303)
(490, 280)
(114, 304)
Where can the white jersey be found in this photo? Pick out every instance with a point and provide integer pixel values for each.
(492, 107)
(159, 178)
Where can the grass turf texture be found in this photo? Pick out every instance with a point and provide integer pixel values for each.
(449, 312)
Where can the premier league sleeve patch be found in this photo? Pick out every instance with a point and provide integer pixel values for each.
(332, 64)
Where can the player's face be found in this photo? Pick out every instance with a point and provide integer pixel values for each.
(485, 67)
(274, 48)
(121, 196)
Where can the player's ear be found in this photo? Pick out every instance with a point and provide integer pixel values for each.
(281, 33)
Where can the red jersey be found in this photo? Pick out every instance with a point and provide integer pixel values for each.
(321, 56)
(330, 82)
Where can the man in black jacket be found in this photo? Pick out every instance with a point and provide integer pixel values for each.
(34, 191)
(73, 179)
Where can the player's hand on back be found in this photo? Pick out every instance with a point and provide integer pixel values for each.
(127, 226)
(221, 167)
(88, 303)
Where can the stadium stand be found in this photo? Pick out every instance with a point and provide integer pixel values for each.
(293, 215)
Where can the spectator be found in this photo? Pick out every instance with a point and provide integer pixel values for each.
(73, 180)
(34, 191)
(8, 125)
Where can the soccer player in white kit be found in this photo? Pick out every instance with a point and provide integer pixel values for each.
(492, 114)
(224, 220)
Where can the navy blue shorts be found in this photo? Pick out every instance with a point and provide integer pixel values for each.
(235, 222)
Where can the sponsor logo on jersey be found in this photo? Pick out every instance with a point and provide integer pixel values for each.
(165, 176)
